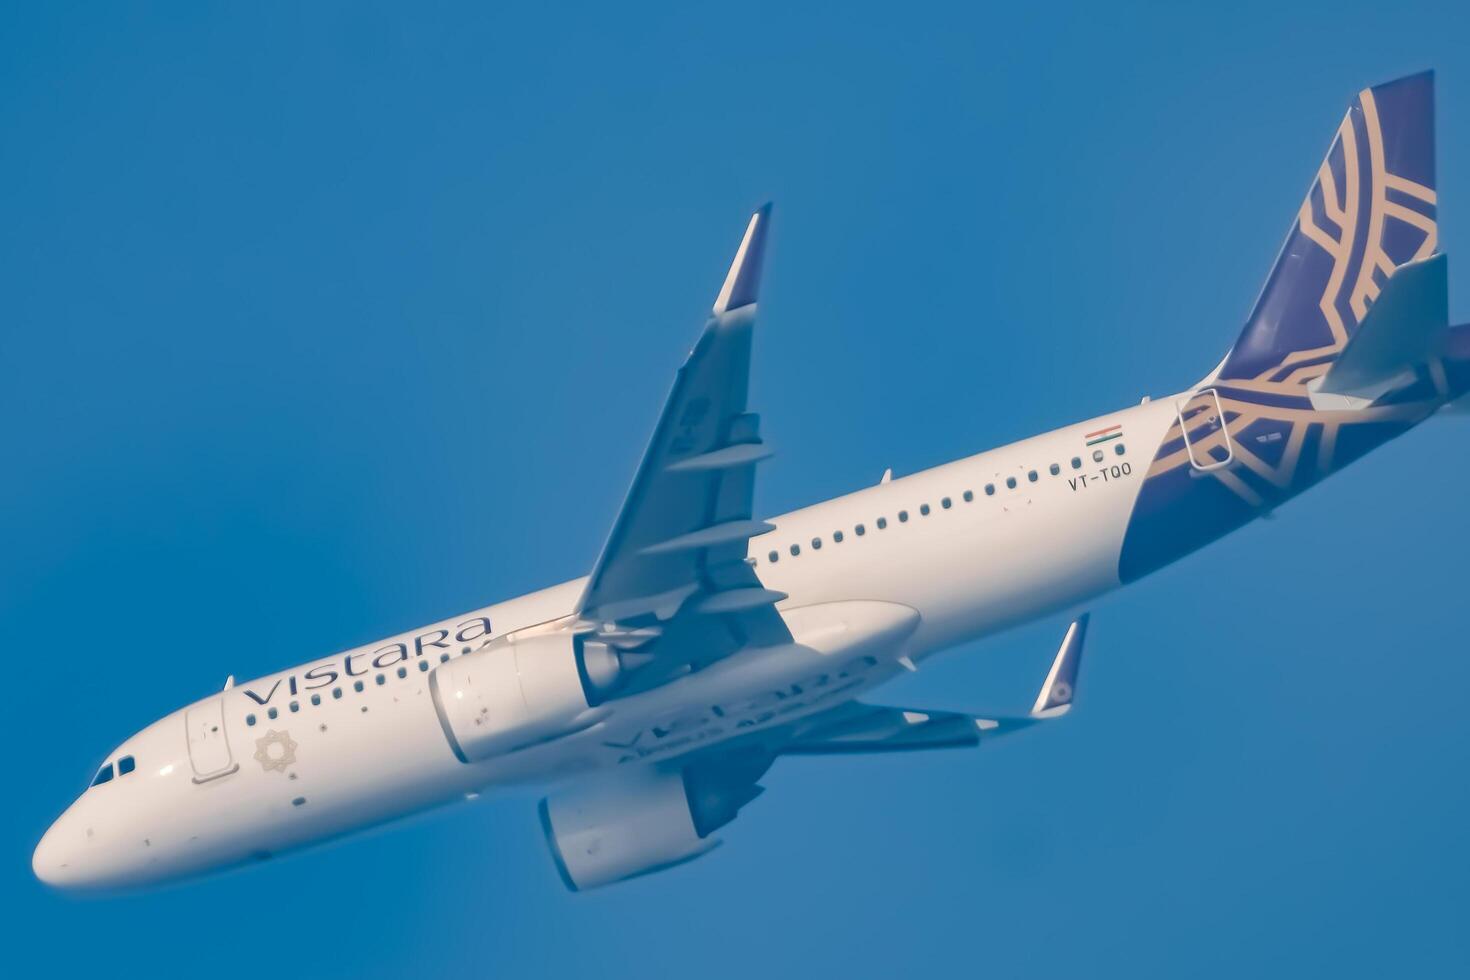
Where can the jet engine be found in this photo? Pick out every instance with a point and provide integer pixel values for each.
(512, 692)
(632, 823)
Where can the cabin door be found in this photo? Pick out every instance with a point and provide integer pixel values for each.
(209, 748)
(1202, 420)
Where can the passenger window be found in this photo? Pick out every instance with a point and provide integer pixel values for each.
(444, 658)
(382, 680)
(402, 672)
(774, 557)
(336, 694)
(1031, 476)
(1118, 449)
(1055, 469)
(316, 699)
(125, 765)
(295, 707)
(1076, 463)
(903, 515)
(1097, 456)
(103, 775)
(1010, 483)
(816, 544)
(357, 685)
(990, 489)
(882, 523)
(272, 713)
(795, 550)
(923, 510)
(860, 530)
(945, 503)
(423, 666)
(969, 496)
(837, 537)
(250, 719)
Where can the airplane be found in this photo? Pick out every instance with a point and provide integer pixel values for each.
(652, 695)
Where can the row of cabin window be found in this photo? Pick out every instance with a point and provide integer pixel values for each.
(125, 765)
(357, 685)
(1032, 476)
(1056, 468)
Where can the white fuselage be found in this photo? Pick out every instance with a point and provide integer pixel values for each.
(305, 755)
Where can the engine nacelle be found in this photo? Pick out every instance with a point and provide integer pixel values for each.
(637, 822)
(512, 693)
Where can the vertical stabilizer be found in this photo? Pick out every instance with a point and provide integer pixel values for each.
(1370, 209)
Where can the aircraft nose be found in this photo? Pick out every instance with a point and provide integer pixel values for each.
(62, 859)
(51, 862)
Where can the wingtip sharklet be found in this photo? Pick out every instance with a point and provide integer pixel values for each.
(742, 282)
(1056, 693)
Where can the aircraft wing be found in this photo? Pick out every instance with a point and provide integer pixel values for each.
(860, 728)
(637, 820)
(674, 566)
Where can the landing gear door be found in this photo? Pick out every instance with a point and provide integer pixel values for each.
(209, 748)
(1202, 421)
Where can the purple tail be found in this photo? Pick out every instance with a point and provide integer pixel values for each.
(1370, 209)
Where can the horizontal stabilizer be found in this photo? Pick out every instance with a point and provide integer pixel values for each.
(1403, 329)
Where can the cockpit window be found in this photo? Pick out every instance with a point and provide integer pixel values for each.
(125, 765)
(103, 775)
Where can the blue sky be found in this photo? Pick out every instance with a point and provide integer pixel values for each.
(318, 323)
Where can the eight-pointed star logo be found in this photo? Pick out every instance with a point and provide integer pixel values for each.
(275, 751)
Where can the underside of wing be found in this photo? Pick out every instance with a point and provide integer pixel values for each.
(855, 727)
(865, 728)
(672, 582)
(641, 819)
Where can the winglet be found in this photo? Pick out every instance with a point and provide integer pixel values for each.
(743, 281)
(1061, 681)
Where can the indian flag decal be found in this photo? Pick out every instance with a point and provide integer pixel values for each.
(1103, 435)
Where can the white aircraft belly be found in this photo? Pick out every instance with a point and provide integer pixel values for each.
(983, 565)
(854, 609)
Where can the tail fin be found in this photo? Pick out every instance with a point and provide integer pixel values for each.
(1370, 209)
